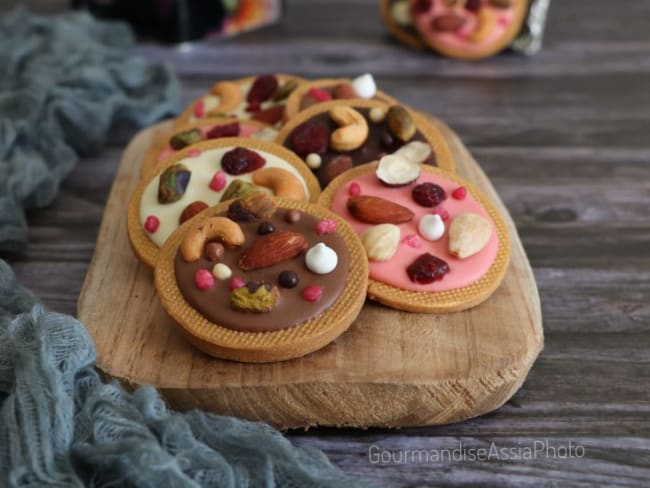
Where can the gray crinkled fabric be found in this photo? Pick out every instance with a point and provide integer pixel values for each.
(65, 81)
(60, 425)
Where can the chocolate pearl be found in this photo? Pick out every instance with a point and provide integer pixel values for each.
(265, 228)
(292, 216)
(214, 251)
(387, 140)
(288, 279)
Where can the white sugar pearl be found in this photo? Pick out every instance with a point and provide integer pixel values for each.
(365, 86)
(313, 160)
(431, 227)
(221, 271)
(377, 114)
(321, 259)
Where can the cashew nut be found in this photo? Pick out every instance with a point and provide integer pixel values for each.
(222, 228)
(352, 131)
(230, 96)
(281, 182)
(485, 25)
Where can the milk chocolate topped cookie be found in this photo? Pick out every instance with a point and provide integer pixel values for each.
(468, 29)
(258, 279)
(335, 136)
(260, 98)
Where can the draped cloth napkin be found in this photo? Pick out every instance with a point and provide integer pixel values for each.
(65, 82)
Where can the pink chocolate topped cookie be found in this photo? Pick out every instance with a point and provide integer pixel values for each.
(468, 29)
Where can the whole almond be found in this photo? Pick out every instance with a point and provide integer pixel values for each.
(271, 115)
(469, 233)
(191, 210)
(375, 210)
(343, 91)
(272, 249)
(447, 22)
(501, 3)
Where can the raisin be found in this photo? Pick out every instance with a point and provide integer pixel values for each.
(429, 194)
(387, 140)
(225, 130)
(263, 88)
(426, 269)
(241, 160)
(420, 7)
(238, 213)
(309, 138)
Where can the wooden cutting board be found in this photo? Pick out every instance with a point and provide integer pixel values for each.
(389, 369)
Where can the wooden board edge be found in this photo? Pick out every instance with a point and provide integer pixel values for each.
(395, 405)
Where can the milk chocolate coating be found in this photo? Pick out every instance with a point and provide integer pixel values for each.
(367, 153)
(292, 309)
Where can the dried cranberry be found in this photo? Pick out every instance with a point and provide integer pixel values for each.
(254, 107)
(262, 89)
(420, 7)
(473, 5)
(319, 94)
(225, 130)
(429, 194)
(426, 269)
(241, 160)
(309, 137)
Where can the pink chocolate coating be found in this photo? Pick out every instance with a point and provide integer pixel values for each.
(462, 272)
(460, 39)
(245, 130)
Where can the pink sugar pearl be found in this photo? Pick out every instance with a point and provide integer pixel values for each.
(218, 181)
(237, 282)
(312, 293)
(151, 224)
(354, 190)
(325, 226)
(203, 279)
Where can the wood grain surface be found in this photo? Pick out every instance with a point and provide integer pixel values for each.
(390, 369)
(564, 138)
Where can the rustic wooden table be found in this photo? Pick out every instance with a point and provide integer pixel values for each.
(564, 138)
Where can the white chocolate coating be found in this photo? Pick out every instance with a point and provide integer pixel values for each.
(203, 168)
